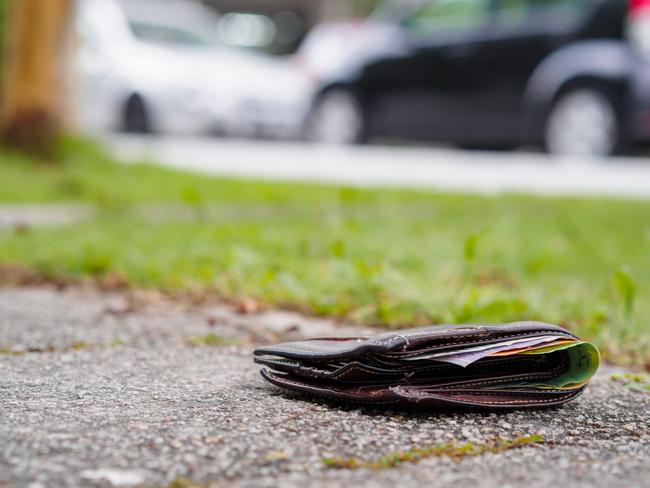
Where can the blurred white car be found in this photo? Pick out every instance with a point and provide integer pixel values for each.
(330, 47)
(143, 68)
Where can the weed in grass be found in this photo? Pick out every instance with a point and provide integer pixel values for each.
(625, 287)
(469, 249)
(417, 454)
(192, 198)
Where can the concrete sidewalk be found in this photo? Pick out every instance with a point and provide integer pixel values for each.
(43, 214)
(114, 389)
(435, 168)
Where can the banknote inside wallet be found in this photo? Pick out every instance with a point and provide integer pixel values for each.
(582, 360)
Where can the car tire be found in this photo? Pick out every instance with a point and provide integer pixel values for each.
(136, 116)
(584, 121)
(337, 118)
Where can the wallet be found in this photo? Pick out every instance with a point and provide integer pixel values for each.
(492, 367)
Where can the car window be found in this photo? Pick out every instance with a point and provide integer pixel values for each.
(448, 16)
(512, 13)
(169, 35)
(555, 13)
(562, 11)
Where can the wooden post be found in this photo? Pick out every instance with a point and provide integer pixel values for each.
(32, 96)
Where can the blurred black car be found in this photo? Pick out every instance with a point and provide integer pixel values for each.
(492, 74)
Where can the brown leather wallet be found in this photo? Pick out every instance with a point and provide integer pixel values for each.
(518, 365)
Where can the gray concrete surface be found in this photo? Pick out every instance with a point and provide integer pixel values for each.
(414, 167)
(107, 390)
(18, 215)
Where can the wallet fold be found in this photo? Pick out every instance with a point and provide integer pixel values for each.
(518, 365)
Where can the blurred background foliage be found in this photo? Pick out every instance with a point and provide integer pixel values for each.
(364, 7)
(4, 9)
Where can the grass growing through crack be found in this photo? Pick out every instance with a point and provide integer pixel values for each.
(186, 483)
(382, 257)
(417, 454)
(210, 340)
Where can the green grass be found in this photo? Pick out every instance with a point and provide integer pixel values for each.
(383, 257)
(417, 454)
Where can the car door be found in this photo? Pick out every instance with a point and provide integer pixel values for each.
(522, 34)
(429, 91)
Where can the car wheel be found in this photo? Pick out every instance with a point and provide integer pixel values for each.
(337, 119)
(136, 116)
(583, 122)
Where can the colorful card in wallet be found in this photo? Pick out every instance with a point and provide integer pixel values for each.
(519, 365)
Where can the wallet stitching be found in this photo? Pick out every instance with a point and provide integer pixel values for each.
(469, 340)
(550, 373)
(488, 328)
(488, 382)
(424, 334)
(320, 389)
(546, 374)
(551, 400)
(419, 370)
(362, 368)
(396, 338)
